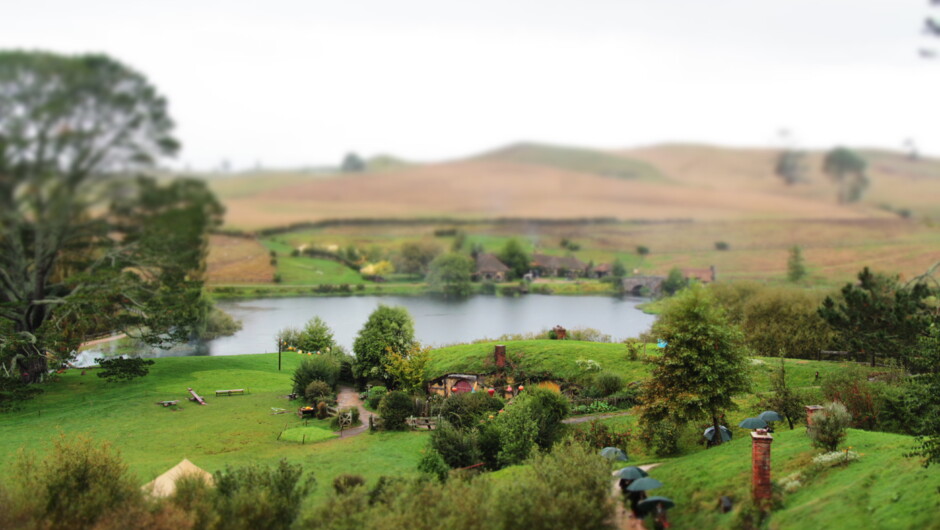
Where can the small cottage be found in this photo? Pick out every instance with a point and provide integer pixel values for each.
(455, 384)
(489, 268)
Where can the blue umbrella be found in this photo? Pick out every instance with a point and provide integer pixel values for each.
(614, 453)
(725, 433)
(753, 423)
(631, 473)
(648, 505)
(769, 416)
(643, 484)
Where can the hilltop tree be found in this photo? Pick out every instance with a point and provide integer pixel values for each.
(515, 257)
(703, 365)
(416, 256)
(450, 274)
(352, 163)
(84, 248)
(847, 169)
(791, 166)
(388, 329)
(796, 266)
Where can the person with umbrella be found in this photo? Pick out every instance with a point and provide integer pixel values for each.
(656, 506)
(637, 492)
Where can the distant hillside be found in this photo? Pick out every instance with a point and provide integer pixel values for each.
(575, 159)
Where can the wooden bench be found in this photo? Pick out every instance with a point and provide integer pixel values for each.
(232, 392)
(418, 423)
(168, 403)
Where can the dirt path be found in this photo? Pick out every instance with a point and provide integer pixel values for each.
(102, 341)
(348, 397)
(623, 517)
(583, 419)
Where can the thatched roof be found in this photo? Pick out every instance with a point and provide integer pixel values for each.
(546, 261)
(165, 484)
(490, 263)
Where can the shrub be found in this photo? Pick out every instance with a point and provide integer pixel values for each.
(546, 409)
(487, 287)
(276, 278)
(829, 424)
(323, 410)
(599, 435)
(835, 458)
(14, 391)
(722, 245)
(433, 463)
(457, 447)
(256, 496)
(394, 408)
(642, 250)
(387, 329)
(345, 483)
(607, 384)
(465, 410)
(851, 388)
(317, 390)
(661, 435)
(316, 336)
(324, 368)
(219, 324)
(375, 395)
(123, 369)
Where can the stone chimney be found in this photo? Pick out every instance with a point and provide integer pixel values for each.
(762, 488)
(499, 356)
(810, 410)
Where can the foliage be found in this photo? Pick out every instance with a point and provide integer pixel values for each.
(546, 409)
(345, 483)
(607, 384)
(450, 274)
(596, 407)
(782, 398)
(466, 409)
(880, 317)
(851, 388)
(514, 256)
(256, 496)
(517, 434)
(775, 320)
(352, 163)
(660, 433)
(394, 408)
(220, 324)
(416, 256)
(829, 425)
(617, 270)
(316, 336)
(375, 395)
(796, 265)
(315, 368)
(703, 365)
(588, 365)
(791, 166)
(642, 250)
(80, 482)
(847, 169)
(123, 369)
(675, 281)
(722, 245)
(353, 413)
(457, 447)
(835, 458)
(82, 251)
(388, 329)
(600, 435)
(317, 391)
(14, 391)
(433, 464)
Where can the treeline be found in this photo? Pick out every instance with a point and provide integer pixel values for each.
(82, 483)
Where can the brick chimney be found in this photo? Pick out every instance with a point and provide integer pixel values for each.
(499, 355)
(760, 468)
(810, 410)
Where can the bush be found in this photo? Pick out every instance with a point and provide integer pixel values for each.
(77, 484)
(316, 336)
(219, 324)
(722, 245)
(546, 409)
(394, 408)
(856, 393)
(324, 368)
(457, 447)
(829, 424)
(433, 463)
(317, 391)
(607, 384)
(599, 435)
(661, 435)
(465, 410)
(487, 287)
(123, 369)
(375, 395)
(642, 250)
(323, 410)
(13, 391)
(345, 483)
(257, 496)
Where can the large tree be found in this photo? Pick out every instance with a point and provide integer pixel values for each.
(389, 329)
(87, 244)
(450, 274)
(703, 365)
(847, 169)
(516, 258)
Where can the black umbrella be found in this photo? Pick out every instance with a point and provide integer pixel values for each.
(648, 506)
(631, 473)
(614, 453)
(769, 416)
(643, 484)
(753, 423)
(725, 433)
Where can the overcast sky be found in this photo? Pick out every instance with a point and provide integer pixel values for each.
(289, 83)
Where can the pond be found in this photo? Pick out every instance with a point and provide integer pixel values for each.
(437, 322)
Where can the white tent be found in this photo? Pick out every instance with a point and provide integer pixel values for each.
(165, 484)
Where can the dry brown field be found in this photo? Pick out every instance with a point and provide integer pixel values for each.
(237, 260)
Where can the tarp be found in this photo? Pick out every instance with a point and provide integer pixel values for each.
(165, 484)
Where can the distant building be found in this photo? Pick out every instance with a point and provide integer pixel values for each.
(490, 268)
(708, 275)
(601, 271)
(555, 266)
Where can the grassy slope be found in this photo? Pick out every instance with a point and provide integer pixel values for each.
(576, 159)
(884, 489)
(228, 431)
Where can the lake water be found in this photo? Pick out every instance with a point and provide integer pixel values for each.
(437, 322)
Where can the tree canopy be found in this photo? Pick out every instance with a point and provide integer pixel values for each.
(847, 169)
(450, 274)
(516, 258)
(703, 365)
(387, 329)
(87, 243)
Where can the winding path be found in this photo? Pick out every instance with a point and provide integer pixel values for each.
(348, 397)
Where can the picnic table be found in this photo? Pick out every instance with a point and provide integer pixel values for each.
(168, 403)
(232, 392)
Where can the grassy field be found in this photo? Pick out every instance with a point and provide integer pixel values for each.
(883, 489)
(228, 431)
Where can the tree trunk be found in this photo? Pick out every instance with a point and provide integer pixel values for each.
(717, 435)
(35, 368)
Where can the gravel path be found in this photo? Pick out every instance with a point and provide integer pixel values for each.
(348, 397)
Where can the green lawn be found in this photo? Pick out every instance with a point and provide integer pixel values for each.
(884, 489)
(228, 431)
